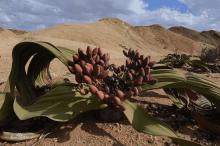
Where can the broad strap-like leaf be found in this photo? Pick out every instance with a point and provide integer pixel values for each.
(62, 103)
(143, 122)
(172, 79)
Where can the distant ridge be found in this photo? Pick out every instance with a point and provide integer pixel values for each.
(19, 32)
(210, 37)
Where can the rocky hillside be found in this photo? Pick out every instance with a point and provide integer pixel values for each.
(210, 37)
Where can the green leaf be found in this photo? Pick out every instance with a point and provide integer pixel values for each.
(62, 103)
(6, 111)
(143, 122)
(173, 79)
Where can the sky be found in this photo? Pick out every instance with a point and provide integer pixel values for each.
(33, 15)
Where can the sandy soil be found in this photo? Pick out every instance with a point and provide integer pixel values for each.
(109, 34)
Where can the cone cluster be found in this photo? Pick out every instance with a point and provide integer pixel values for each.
(92, 69)
(138, 70)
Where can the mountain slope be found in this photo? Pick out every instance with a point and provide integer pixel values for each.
(112, 32)
(210, 37)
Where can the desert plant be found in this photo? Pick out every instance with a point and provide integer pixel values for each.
(62, 101)
(210, 55)
(180, 60)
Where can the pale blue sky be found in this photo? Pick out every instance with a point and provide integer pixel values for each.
(34, 15)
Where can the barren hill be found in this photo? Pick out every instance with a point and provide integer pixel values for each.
(210, 37)
(5, 33)
(112, 32)
(19, 32)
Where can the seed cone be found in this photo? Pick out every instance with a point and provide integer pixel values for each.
(103, 75)
(78, 78)
(87, 80)
(139, 89)
(99, 95)
(89, 52)
(80, 52)
(132, 72)
(77, 68)
(142, 57)
(107, 90)
(115, 69)
(82, 63)
(71, 69)
(90, 65)
(151, 76)
(120, 94)
(106, 97)
(122, 107)
(85, 58)
(151, 64)
(152, 81)
(146, 61)
(125, 53)
(130, 53)
(147, 70)
(95, 51)
(146, 78)
(140, 63)
(106, 57)
(102, 63)
(119, 69)
(88, 70)
(117, 101)
(137, 55)
(97, 59)
(138, 81)
(70, 63)
(93, 89)
(75, 58)
(129, 76)
(128, 94)
(128, 63)
(136, 92)
(96, 70)
(84, 91)
(92, 62)
(133, 65)
(100, 52)
(141, 72)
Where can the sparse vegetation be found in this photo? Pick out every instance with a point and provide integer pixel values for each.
(210, 55)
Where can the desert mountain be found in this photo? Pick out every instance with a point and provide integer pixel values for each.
(210, 37)
(112, 32)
